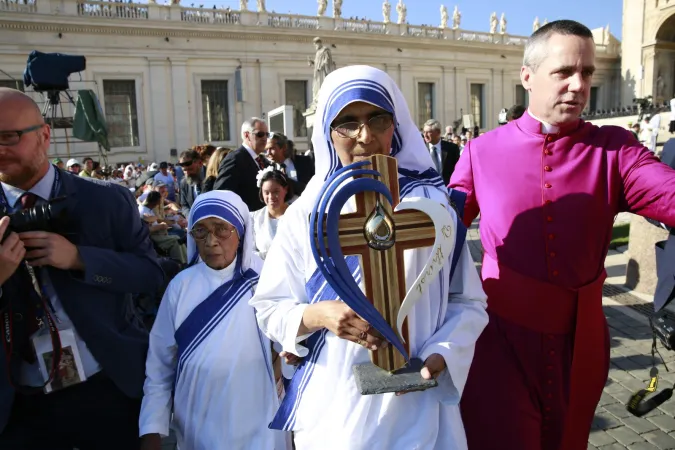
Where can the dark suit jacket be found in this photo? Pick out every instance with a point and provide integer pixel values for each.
(119, 260)
(186, 190)
(449, 158)
(237, 173)
(304, 165)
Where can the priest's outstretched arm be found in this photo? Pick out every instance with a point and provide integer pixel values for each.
(649, 184)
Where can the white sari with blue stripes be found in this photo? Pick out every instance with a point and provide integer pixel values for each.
(322, 403)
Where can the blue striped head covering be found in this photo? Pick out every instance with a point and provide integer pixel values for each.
(228, 206)
(367, 84)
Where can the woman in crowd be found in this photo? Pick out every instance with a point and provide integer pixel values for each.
(208, 362)
(361, 112)
(275, 192)
(212, 168)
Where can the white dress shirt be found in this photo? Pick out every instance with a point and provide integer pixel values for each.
(30, 373)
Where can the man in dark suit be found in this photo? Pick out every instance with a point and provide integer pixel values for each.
(238, 170)
(444, 154)
(299, 169)
(75, 293)
(191, 184)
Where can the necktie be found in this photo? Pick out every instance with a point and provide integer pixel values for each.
(259, 160)
(434, 155)
(28, 200)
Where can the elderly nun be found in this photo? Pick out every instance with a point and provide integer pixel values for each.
(361, 112)
(208, 363)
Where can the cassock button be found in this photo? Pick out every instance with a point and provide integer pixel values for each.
(552, 254)
(549, 138)
(549, 367)
(555, 273)
(551, 353)
(548, 202)
(551, 337)
(549, 395)
(547, 409)
(547, 168)
(547, 185)
(551, 237)
(549, 382)
(548, 152)
(549, 219)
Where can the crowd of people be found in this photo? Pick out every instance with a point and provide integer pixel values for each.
(250, 347)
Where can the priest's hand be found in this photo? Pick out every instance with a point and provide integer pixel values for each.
(433, 366)
(51, 249)
(12, 252)
(151, 442)
(340, 319)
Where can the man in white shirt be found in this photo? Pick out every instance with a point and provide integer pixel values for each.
(165, 177)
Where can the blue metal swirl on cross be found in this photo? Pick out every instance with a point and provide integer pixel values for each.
(324, 221)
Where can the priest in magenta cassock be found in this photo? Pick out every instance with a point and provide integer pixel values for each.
(208, 365)
(548, 187)
(361, 112)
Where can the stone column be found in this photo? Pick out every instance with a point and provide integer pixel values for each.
(160, 103)
(641, 269)
(182, 107)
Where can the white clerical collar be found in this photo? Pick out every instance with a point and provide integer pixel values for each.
(546, 128)
(42, 188)
(250, 151)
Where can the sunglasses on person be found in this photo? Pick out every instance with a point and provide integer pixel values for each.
(262, 134)
(186, 163)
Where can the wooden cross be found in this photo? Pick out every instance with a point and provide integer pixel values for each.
(383, 272)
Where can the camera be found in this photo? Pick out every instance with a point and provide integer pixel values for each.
(51, 216)
(663, 326)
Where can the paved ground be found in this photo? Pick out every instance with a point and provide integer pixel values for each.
(614, 428)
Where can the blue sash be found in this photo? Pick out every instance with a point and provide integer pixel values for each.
(317, 290)
(210, 313)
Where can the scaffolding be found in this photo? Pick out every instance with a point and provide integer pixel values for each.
(58, 108)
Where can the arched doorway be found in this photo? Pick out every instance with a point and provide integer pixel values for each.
(664, 61)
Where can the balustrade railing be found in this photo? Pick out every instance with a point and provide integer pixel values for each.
(118, 10)
(24, 6)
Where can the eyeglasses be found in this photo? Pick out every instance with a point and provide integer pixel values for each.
(352, 130)
(12, 137)
(261, 134)
(219, 232)
(185, 163)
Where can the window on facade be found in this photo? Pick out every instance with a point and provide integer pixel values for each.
(478, 104)
(215, 110)
(593, 104)
(121, 112)
(12, 84)
(521, 96)
(425, 102)
(296, 96)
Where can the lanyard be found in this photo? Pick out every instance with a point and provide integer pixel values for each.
(41, 313)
